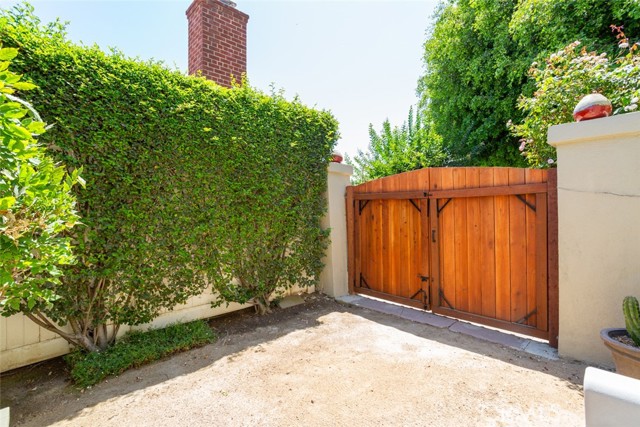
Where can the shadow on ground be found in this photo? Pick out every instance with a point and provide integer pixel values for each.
(32, 391)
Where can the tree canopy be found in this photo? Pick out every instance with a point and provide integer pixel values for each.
(477, 55)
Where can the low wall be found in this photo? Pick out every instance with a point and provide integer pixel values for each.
(22, 342)
(598, 229)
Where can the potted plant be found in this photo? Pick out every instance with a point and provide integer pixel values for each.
(625, 343)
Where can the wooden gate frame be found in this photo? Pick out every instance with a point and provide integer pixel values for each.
(547, 190)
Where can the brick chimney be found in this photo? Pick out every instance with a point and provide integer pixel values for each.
(217, 40)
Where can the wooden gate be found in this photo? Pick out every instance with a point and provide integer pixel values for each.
(473, 243)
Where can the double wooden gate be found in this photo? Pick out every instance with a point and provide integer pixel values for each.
(473, 243)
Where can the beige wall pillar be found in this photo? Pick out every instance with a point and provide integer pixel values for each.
(598, 229)
(333, 279)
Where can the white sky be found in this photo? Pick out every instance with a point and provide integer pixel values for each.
(359, 59)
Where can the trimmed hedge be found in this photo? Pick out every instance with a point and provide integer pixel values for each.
(188, 183)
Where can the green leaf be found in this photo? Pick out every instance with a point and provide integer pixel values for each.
(6, 203)
(8, 53)
(23, 86)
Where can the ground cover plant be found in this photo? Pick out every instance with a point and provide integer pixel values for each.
(189, 185)
(137, 349)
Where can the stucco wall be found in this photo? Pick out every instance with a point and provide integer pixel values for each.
(599, 229)
(334, 278)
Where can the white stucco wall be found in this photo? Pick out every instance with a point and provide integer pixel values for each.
(599, 229)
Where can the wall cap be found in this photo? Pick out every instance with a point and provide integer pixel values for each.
(340, 168)
(614, 127)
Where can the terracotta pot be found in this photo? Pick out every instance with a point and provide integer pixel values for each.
(592, 106)
(625, 357)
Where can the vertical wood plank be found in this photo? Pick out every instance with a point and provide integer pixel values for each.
(462, 290)
(433, 237)
(424, 268)
(412, 261)
(351, 238)
(375, 211)
(387, 259)
(447, 239)
(377, 238)
(552, 255)
(541, 262)
(517, 232)
(502, 248)
(532, 176)
(364, 250)
(530, 226)
(402, 252)
(487, 248)
(474, 242)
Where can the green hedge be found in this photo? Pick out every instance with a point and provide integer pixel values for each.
(187, 182)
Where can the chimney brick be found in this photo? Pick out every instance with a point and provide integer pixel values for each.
(217, 40)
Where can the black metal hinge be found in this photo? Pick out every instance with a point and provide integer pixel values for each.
(440, 208)
(363, 282)
(362, 205)
(523, 200)
(527, 316)
(444, 298)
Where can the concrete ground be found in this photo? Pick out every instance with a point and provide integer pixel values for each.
(321, 363)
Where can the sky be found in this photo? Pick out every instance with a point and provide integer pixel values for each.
(359, 59)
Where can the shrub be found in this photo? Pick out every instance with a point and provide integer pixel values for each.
(189, 184)
(412, 146)
(563, 79)
(36, 205)
(137, 349)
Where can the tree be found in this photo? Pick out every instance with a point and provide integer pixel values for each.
(408, 147)
(36, 207)
(474, 74)
(477, 56)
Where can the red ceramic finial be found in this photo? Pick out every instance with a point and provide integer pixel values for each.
(592, 106)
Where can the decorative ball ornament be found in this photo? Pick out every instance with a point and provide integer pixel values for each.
(336, 157)
(592, 106)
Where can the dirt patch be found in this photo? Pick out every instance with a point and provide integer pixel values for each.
(321, 364)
